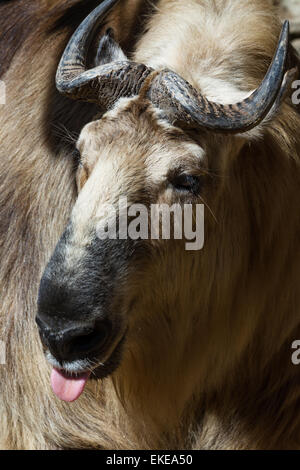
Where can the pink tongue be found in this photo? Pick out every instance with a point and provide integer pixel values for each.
(68, 388)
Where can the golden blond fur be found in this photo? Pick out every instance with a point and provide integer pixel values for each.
(208, 359)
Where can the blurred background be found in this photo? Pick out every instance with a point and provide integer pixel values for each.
(291, 10)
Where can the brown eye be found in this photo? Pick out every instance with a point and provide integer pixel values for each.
(186, 183)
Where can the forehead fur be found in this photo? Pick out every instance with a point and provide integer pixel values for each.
(133, 122)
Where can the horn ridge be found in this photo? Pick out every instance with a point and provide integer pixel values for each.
(185, 104)
(73, 61)
(103, 84)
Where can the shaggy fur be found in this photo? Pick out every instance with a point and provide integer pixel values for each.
(208, 359)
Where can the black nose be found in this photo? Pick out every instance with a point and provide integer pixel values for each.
(69, 319)
(75, 342)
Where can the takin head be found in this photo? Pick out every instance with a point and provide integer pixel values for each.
(160, 142)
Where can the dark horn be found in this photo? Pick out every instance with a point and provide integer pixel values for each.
(185, 104)
(104, 84)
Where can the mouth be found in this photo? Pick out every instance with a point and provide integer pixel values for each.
(68, 379)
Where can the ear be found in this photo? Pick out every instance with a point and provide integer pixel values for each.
(109, 50)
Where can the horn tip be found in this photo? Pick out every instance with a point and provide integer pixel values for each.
(286, 27)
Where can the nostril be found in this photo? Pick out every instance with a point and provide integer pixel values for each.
(90, 341)
(75, 342)
(84, 341)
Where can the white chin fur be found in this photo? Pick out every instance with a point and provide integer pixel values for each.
(74, 367)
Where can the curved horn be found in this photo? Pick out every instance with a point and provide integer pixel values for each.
(104, 84)
(184, 104)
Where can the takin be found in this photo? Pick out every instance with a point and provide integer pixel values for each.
(148, 345)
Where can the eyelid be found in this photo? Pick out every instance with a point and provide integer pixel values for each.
(182, 175)
(185, 182)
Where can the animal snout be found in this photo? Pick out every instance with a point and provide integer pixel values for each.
(74, 342)
(70, 317)
(78, 314)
